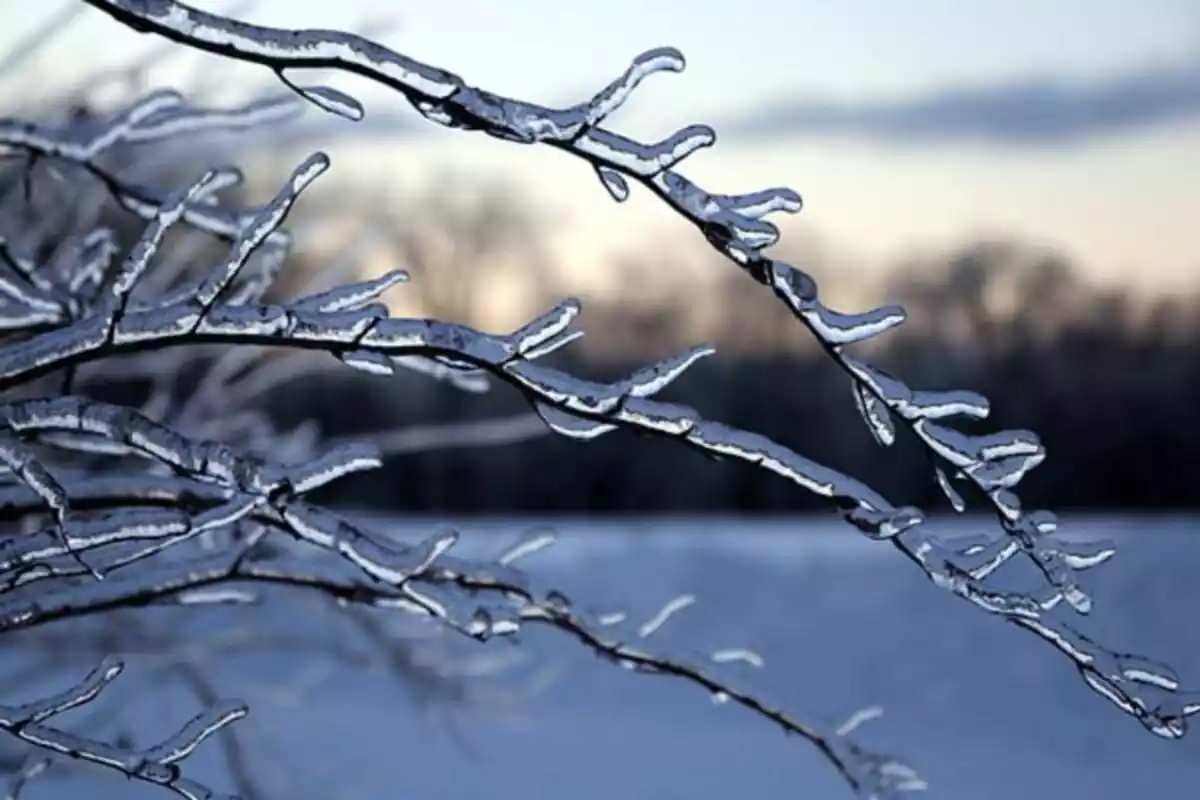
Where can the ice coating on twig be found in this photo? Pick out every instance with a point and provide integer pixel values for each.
(266, 492)
(665, 613)
(29, 722)
(332, 100)
(732, 223)
(159, 116)
(740, 655)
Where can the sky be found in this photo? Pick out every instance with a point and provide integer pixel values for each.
(907, 126)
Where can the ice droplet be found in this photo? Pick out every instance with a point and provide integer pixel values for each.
(671, 608)
(858, 719)
(875, 414)
(569, 425)
(738, 654)
(558, 601)
(334, 101)
(956, 500)
(526, 547)
(614, 182)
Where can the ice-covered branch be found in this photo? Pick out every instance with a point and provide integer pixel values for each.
(414, 580)
(993, 464)
(159, 764)
(154, 118)
(370, 340)
(250, 487)
(186, 471)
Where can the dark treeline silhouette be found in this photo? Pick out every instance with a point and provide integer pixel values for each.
(1110, 383)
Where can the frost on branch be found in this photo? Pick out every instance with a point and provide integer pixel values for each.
(990, 465)
(33, 723)
(121, 508)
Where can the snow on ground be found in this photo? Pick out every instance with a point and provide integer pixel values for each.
(984, 710)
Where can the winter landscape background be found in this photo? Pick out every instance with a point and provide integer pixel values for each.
(983, 710)
(1024, 195)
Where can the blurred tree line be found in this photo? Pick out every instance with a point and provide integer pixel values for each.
(1111, 384)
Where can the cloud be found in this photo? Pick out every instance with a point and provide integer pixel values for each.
(1034, 112)
(1041, 112)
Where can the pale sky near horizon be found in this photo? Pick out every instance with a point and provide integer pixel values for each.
(1123, 204)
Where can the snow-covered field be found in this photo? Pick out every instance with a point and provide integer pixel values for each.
(983, 710)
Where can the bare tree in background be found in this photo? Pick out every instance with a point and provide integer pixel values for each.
(118, 510)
